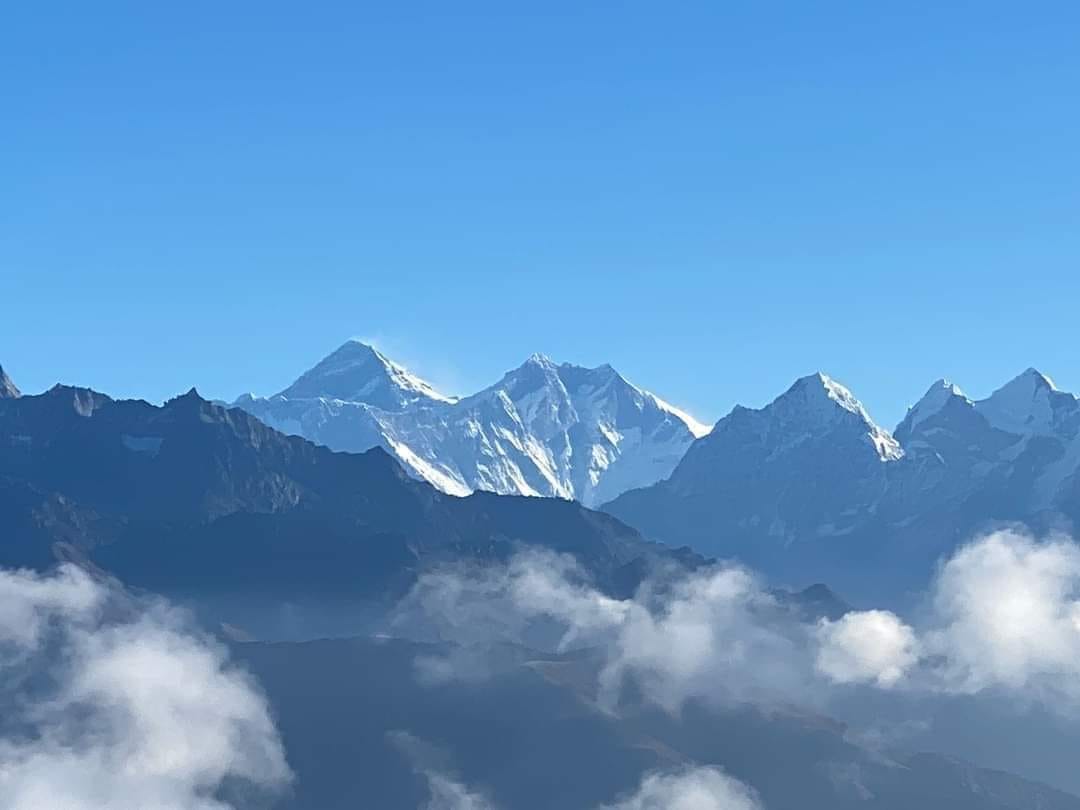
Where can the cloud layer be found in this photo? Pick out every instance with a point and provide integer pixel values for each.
(115, 704)
(1003, 613)
(716, 634)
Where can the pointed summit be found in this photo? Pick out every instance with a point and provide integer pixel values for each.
(357, 372)
(934, 401)
(817, 402)
(1029, 403)
(7, 387)
(539, 359)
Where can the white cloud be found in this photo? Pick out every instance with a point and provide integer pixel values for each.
(714, 634)
(1003, 613)
(127, 712)
(872, 646)
(693, 789)
(29, 601)
(1008, 616)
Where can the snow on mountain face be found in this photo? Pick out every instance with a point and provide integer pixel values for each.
(936, 399)
(783, 472)
(1027, 434)
(357, 372)
(1028, 404)
(544, 429)
(807, 485)
(7, 387)
(823, 400)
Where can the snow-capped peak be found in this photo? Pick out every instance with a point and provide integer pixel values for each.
(820, 398)
(820, 392)
(357, 372)
(1027, 404)
(539, 359)
(543, 429)
(937, 397)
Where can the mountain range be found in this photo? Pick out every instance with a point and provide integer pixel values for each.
(273, 536)
(810, 487)
(202, 502)
(544, 429)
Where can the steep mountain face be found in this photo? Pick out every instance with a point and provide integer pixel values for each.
(7, 387)
(810, 488)
(544, 429)
(194, 499)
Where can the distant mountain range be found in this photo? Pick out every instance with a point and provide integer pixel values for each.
(199, 501)
(544, 429)
(809, 487)
(277, 537)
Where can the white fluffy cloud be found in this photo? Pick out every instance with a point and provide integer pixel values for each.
(872, 646)
(119, 706)
(693, 789)
(1008, 615)
(28, 603)
(714, 634)
(1003, 613)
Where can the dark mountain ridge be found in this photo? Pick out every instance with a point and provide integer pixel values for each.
(192, 498)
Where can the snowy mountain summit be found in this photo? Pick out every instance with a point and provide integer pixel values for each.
(544, 429)
(357, 372)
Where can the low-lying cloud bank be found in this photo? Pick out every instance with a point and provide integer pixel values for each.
(1003, 614)
(112, 703)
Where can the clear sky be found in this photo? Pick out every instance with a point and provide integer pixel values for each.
(714, 197)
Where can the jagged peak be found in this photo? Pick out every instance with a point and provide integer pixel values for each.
(539, 359)
(358, 372)
(818, 397)
(821, 388)
(8, 389)
(187, 400)
(84, 400)
(937, 396)
(564, 383)
(1028, 403)
(1034, 378)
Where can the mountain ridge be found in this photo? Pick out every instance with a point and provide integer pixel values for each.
(544, 429)
(807, 489)
(193, 499)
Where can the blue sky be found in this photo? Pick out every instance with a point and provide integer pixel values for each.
(714, 197)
